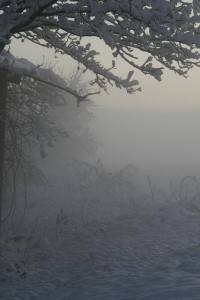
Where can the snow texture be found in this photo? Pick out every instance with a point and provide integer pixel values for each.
(140, 248)
(156, 257)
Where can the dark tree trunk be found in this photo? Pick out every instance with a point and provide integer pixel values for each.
(3, 94)
(2, 46)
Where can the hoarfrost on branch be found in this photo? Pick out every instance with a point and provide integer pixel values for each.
(168, 31)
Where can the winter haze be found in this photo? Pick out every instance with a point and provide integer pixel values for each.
(100, 199)
(156, 129)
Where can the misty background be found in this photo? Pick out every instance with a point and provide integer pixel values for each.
(156, 130)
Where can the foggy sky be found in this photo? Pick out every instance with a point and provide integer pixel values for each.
(156, 129)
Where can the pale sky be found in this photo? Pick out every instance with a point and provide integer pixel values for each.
(156, 129)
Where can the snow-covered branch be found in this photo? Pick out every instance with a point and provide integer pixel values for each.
(22, 67)
(168, 31)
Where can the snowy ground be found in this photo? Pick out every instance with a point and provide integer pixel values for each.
(105, 238)
(156, 256)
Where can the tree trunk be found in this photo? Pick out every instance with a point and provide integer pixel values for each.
(3, 94)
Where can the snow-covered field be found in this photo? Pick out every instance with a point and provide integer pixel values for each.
(156, 257)
(151, 253)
